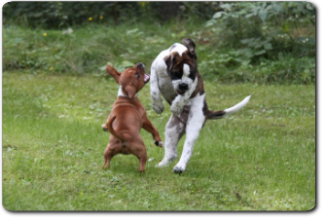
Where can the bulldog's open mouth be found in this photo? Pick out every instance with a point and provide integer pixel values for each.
(180, 92)
(146, 78)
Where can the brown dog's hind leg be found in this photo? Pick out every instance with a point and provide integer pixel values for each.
(108, 154)
(142, 162)
(141, 154)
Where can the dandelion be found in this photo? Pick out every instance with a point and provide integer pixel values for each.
(51, 68)
(101, 17)
(44, 34)
(90, 18)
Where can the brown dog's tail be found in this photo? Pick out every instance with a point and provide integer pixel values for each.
(112, 131)
(220, 114)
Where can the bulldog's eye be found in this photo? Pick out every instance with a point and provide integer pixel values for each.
(175, 75)
(138, 75)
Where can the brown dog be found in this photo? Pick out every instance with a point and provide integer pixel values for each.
(128, 116)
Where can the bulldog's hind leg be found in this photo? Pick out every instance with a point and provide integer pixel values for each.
(174, 130)
(195, 122)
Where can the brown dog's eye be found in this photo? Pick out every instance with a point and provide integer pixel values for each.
(138, 76)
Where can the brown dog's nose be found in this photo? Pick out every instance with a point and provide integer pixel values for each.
(140, 65)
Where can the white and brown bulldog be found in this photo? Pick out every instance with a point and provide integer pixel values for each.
(174, 75)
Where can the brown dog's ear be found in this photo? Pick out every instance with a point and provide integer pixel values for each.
(113, 72)
(131, 91)
(190, 45)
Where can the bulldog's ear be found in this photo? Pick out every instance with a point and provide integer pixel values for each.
(170, 60)
(113, 72)
(190, 45)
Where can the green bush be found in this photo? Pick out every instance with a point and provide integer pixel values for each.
(265, 29)
(59, 15)
(64, 14)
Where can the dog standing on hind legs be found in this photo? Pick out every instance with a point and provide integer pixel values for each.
(128, 116)
(175, 76)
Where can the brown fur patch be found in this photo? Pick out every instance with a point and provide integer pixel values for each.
(199, 88)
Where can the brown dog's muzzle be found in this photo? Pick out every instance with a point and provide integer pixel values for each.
(146, 78)
(140, 65)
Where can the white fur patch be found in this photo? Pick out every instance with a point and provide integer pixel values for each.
(177, 47)
(121, 94)
(186, 71)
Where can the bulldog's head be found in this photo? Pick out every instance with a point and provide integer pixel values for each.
(131, 80)
(182, 69)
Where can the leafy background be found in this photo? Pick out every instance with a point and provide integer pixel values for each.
(264, 42)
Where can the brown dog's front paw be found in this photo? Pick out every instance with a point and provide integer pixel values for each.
(159, 143)
(105, 128)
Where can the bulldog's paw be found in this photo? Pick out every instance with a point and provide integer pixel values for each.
(176, 109)
(162, 164)
(179, 168)
(158, 107)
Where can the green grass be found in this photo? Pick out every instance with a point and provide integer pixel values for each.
(262, 158)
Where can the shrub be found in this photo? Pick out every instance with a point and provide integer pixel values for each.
(264, 29)
(59, 15)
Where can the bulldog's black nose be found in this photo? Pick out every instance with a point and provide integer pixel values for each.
(140, 65)
(183, 86)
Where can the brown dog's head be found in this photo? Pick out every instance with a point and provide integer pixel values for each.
(182, 65)
(131, 80)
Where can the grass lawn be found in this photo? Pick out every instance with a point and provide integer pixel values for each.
(262, 158)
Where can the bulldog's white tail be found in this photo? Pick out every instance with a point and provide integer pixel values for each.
(237, 107)
(220, 114)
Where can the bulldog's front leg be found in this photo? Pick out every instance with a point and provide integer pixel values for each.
(157, 103)
(177, 104)
(181, 100)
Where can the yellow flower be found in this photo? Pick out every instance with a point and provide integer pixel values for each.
(44, 34)
(90, 18)
(51, 68)
(101, 17)
(143, 4)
